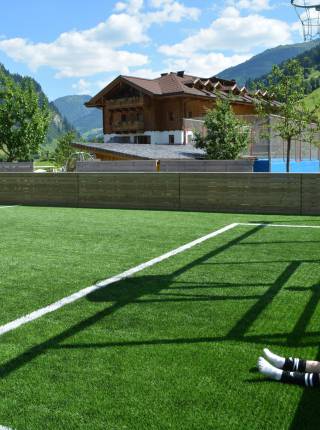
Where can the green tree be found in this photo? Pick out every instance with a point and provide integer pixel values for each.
(24, 119)
(294, 119)
(64, 149)
(227, 136)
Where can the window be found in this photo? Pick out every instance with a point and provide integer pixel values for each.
(139, 116)
(171, 139)
(171, 116)
(190, 114)
(143, 140)
(123, 117)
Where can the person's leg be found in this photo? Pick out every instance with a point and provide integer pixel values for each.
(298, 378)
(292, 364)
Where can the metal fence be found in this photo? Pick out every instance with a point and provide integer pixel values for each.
(264, 141)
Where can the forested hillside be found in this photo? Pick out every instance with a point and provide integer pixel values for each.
(310, 61)
(88, 122)
(261, 64)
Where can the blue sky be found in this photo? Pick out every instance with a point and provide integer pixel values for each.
(78, 46)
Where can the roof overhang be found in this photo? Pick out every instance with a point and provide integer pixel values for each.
(98, 100)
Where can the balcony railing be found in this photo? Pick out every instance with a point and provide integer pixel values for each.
(126, 102)
(127, 126)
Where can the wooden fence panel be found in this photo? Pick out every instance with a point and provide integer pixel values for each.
(39, 189)
(213, 192)
(22, 167)
(258, 193)
(116, 166)
(207, 166)
(310, 194)
(129, 190)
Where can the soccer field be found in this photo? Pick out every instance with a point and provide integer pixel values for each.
(172, 347)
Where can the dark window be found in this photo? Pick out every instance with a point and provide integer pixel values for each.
(171, 116)
(171, 139)
(123, 117)
(189, 114)
(143, 140)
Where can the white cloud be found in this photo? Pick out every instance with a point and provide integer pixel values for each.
(130, 6)
(88, 52)
(82, 87)
(233, 32)
(251, 5)
(206, 65)
(72, 55)
(170, 11)
(146, 73)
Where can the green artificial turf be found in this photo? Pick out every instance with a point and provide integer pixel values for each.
(175, 346)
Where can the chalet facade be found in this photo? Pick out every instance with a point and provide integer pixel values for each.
(156, 111)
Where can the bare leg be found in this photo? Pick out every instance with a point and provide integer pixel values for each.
(312, 366)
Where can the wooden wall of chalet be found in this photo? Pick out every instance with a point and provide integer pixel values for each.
(149, 113)
(156, 112)
(212, 192)
(163, 110)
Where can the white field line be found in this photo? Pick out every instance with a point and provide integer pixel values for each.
(5, 207)
(5, 428)
(86, 291)
(278, 225)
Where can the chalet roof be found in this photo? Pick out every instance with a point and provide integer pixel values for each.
(145, 151)
(169, 84)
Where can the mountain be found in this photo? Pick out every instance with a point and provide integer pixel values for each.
(310, 61)
(88, 122)
(58, 125)
(261, 64)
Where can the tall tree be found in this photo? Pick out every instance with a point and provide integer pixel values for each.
(226, 137)
(24, 119)
(294, 119)
(64, 149)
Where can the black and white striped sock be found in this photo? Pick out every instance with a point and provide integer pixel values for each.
(303, 379)
(294, 365)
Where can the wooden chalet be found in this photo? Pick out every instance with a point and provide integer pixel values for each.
(153, 111)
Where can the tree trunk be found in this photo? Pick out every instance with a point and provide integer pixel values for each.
(288, 154)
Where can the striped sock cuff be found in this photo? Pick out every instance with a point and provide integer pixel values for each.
(294, 365)
(304, 379)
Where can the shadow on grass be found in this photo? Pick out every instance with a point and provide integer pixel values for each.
(120, 295)
(307, 414)
(137, 290)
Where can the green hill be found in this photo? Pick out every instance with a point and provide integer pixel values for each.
(88, 122)
(313, 99)
(261, 64)
(310, 61)
(59, 125)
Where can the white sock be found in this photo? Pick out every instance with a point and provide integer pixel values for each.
(274, 359)
(268, 370)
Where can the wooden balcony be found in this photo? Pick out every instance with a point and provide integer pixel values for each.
(125, 103)
(127, 126)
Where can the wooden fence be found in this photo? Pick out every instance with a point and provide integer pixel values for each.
(171, 166)
(22, 167)
(212, 192)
